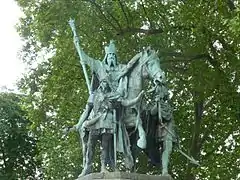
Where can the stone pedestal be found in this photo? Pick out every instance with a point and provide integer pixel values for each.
(123, 176)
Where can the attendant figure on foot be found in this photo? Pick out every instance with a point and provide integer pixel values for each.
(103, 124)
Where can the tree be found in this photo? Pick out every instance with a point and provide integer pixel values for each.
(18, 145)
(199, 46)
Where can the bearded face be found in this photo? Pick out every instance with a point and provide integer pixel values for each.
(111, 60)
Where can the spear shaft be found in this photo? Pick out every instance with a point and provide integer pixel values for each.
(76, 43)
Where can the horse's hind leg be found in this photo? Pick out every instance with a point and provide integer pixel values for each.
(133, 147)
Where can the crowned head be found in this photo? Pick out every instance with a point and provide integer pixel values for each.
(110, 55)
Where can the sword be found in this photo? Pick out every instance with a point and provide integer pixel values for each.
(76, 43)
(115, 137)
(192, 160)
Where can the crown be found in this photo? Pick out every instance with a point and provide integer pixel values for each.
(110, 48)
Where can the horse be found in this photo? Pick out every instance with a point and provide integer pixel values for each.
(158, 119)
(147, 67)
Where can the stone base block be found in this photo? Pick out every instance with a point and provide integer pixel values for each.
(123, 176)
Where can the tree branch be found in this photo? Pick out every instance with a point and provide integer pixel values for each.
(180, 57)
(145, 12)
(128, 12)
(231, 5)
(139, 30)
(194, 146)
(150, 31)
(125, 15)
(198, 119)
(105, 17)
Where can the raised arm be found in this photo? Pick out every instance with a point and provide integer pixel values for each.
(84, 59)
(91, 62)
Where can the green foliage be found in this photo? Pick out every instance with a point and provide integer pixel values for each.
(18, 145)
(198, 42)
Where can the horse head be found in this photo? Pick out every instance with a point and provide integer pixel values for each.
(152, 66)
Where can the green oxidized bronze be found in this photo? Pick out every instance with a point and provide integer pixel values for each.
(116, 109)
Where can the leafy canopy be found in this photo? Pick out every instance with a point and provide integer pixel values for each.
(18, 145)
(198, 42)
